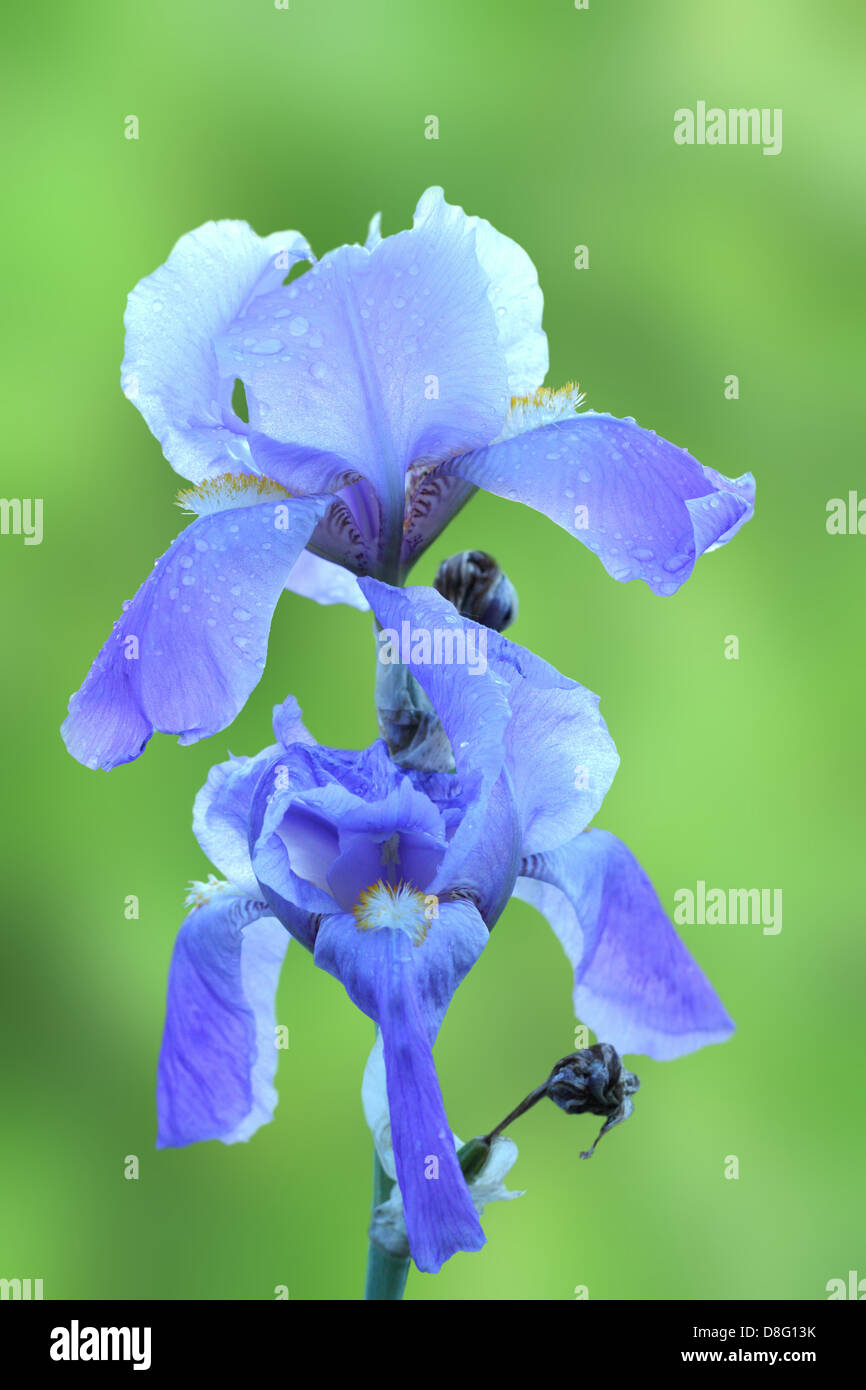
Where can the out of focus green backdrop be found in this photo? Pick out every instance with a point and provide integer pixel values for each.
(556, 124)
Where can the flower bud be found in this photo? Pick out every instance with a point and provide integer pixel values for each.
(478, 588)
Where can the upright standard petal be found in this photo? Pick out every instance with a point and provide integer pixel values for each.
(218, 1058)
(560, 757)
(221, 812)
(403, 977)
(646, 508)
(473, 708)
(512, 289)
(635, 983)
(170, 370)
(223, 807)
(378, 356)
(190, 647)
(502, 706)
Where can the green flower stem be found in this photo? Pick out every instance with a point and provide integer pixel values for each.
(386, 1274)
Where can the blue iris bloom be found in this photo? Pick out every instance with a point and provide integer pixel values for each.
(383, 387)
(393, 878)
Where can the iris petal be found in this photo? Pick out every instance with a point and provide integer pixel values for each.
(219, 1057)
(635, 983)
(406, 989)
(221, 812)
(190, 646)
(378, 356)
(473, 710)
(646, 508)
(170, 370)
(325, 582)
(510, 710)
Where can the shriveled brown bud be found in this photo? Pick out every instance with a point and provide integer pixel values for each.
(594, 1081)
(590, 1082)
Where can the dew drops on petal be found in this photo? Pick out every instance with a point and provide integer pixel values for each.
(675, 563)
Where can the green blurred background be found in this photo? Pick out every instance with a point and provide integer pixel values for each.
(556, 125)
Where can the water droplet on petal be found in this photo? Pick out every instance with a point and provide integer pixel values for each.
(675, 563)
(298, 326)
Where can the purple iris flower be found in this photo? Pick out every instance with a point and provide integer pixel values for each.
(393, 878)
(382, 387)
